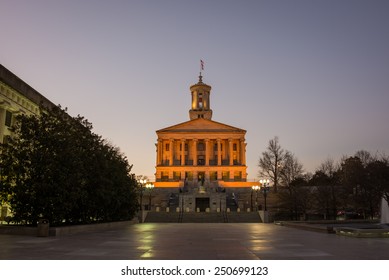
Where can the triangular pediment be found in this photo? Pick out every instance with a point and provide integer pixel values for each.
(200, 125)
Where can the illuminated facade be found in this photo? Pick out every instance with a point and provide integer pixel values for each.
(201, 152)
(17, 97)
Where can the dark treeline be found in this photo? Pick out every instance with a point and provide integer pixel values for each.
(352, 188)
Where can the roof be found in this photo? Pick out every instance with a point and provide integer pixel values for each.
(23, 88)
(201, 125)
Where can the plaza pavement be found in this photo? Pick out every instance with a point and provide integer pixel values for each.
(195, 241)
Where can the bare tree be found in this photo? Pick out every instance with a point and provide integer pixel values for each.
(328, 189)
(291, 169)
(296, 194)
(271, 162)
(365, 157)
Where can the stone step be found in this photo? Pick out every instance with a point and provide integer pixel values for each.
(203, 217)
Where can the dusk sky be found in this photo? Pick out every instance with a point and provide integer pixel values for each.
(313, 73)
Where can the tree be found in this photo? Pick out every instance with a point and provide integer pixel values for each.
(352, 177)
(377, 184)
(385, 178)
(291, 169)
(291, 177)
(328, 189)
(271, 162)
(296, 197)
(55, 167)
(363, 183)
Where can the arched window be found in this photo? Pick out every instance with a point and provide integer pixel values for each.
(200, 100)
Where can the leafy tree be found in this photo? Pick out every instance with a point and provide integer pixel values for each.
(55, 167)
(364, 182)
(377, 185)
(352, 178)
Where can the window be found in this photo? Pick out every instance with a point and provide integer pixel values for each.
(8, 118)
(201, 101)
(200, 146)
(234, 147)
(176, 175)
(215, 147)
(213, 175)
(201, 160)
(164, 176)
(6, 139)
(167, 147)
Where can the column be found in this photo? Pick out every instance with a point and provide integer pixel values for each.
(242, 152)
(231, 157)
(219, 153)
(194, 101)
(207, 152)
(159, 151)
(182, 152)
(171, 142)
(195, 152)
(219, 175)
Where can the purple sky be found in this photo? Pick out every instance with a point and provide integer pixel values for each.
(314, 73)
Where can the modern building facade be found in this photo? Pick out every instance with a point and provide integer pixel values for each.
(201, 152)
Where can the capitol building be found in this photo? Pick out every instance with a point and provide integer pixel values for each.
(203, 158)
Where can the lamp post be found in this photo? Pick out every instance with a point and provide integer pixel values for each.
(141, 183)
(265, 189)
(150, 188)
(254, 189)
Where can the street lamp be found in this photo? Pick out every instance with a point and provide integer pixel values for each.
(265, 189)
(142, 183)
(150, 188)
(254, 188)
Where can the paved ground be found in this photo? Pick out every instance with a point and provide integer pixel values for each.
(195, 241)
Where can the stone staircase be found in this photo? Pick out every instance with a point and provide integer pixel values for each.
(203, 217)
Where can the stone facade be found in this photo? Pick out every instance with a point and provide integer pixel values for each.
(17, 97)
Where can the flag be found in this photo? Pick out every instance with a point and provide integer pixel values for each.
(202, 64)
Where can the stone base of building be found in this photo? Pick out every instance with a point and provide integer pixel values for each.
(202, 200)
(220, 183)
(208, 198)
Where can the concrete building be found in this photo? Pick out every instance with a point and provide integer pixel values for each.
(201, 157)
(17, 97)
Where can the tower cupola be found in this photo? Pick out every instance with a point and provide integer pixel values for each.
(201, 107)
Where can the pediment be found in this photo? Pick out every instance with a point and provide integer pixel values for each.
(200, 125)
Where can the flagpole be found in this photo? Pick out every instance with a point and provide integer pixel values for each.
(201, 68)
